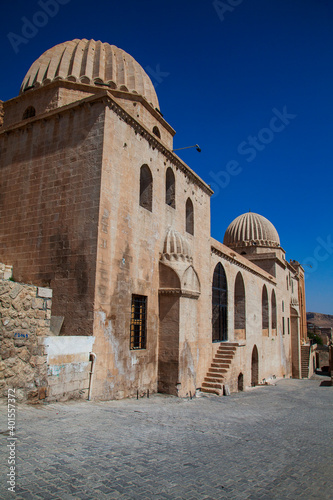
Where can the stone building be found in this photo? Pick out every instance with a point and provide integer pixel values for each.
(96, 206)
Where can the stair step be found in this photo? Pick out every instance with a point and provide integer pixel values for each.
(223, 356)
(212, 385)
(213, 370)
(212, 379)
(226, 348)
(211, 391)
(220, 365)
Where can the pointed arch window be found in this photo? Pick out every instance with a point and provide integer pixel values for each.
(219, 305)
(189, 217)
(156, 132)
(29, 113)
(170, 188)
(239, 309)
(265, 315)
(274, 313)
(146, 188)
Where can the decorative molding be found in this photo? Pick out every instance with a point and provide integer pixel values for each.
(178, 292)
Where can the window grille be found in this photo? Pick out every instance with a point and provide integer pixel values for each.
(138, 322)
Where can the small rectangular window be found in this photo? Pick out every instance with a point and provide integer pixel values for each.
(138, 322)
(283, 327)
(288, 326)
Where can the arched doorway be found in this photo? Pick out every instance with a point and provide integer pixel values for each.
(240, 382)
(255, 367)
(219, 305)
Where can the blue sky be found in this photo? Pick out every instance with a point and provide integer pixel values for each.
(223, 70)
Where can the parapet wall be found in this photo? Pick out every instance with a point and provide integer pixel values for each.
(25, 312)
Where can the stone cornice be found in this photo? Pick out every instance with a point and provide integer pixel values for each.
(229, 255)
(180, 293)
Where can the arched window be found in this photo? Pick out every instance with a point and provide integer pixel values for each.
(189, 217)
(146, 188)
(156, 132)
(170, 188)
(29, 113)
(274, 313)
(219, 305)
(240, 313)
(265, 316)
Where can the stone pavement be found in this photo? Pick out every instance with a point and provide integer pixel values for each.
(272, 442)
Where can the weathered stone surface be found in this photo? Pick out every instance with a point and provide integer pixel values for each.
(22, 359)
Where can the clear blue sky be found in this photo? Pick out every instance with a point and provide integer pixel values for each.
(224, 73)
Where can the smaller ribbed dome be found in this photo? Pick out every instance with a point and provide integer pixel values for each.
(251, 229)
(176, 247)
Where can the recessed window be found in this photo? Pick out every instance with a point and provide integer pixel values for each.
(29, 113)
(219, 305)
(274, 312)
(146, 188)
(138, 322)
(170, 188)
(189, 217)
(265, 313)
(156, 132)
(239, 308)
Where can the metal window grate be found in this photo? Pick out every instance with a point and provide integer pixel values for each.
(138, 322)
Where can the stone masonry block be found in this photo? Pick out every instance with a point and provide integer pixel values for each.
(45, 293)
(15, 291)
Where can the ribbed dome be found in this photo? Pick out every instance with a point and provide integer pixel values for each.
(251, 229)
(176, 246)
(92, 63)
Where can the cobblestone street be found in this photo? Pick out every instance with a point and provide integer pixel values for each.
(272, 442)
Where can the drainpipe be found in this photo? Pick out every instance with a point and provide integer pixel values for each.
(93, 361)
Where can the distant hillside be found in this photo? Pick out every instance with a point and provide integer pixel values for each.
(320, 320)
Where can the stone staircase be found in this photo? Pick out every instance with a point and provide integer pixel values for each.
(215, 378)
(305, 354)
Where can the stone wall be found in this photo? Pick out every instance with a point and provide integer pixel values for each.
(50, 173)
(25, 312)
(68, 367)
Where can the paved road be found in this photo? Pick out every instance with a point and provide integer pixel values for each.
(271, 442)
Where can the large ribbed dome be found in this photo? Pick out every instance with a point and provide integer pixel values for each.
(92, 63)
(251, 229)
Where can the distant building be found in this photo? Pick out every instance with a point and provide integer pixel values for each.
(96, 206)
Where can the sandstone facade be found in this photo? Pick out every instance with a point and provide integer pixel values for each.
(98, 207)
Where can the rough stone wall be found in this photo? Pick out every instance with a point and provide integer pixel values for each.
(50, 177)
(25, 313)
